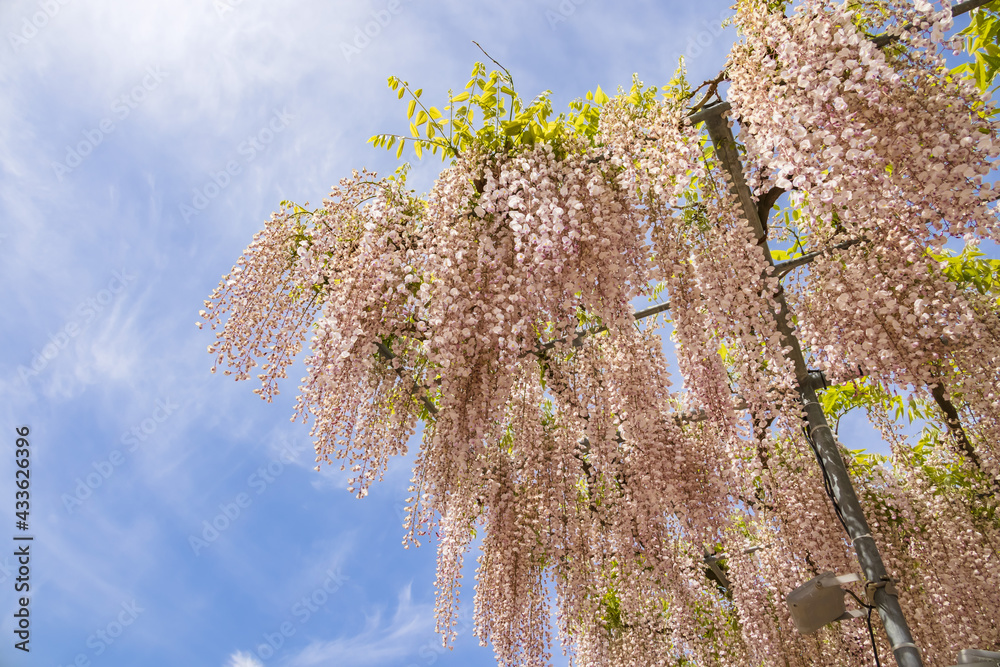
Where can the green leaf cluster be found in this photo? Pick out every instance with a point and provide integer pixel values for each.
(489, 98)
(506, 120)
(982, 42)
(838, 400)
(968, 271)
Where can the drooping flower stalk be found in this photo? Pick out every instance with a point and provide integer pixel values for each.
(605, 492)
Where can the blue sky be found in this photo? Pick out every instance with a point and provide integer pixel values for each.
(141, 146)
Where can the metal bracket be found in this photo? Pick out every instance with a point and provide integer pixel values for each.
(888, 583)
(814, 378)
(851, 613)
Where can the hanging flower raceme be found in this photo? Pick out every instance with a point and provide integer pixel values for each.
(616, 520)
(930, 515)
(884, 154)
(885, 151)
(662, 527)
(879, 148)
(517, 245)
(832, 115)
(436, 309)
(343, 270)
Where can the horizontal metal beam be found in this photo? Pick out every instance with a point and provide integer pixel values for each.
(583, 333)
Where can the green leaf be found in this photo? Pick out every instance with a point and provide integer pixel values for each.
(512, 128)
(982, 44)
(460, 97)
(410, 108)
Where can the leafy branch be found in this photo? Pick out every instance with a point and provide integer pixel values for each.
(507, 120)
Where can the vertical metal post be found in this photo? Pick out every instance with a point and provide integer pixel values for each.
(884, 599)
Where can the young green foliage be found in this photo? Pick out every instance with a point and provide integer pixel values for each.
(982, 42)
(506, 120)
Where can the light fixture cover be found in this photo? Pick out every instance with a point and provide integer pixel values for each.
(819, 601)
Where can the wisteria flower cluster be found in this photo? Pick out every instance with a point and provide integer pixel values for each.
(664, 523)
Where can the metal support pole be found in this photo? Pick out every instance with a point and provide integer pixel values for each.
(884, 596)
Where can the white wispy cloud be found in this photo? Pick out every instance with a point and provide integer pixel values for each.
(241, 659)
(379, 642)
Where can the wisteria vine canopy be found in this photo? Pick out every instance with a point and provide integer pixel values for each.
(593, 482)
